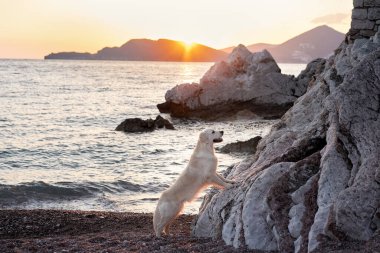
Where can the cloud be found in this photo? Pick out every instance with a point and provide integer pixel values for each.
(332, 19)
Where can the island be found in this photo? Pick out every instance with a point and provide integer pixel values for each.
(149, 50)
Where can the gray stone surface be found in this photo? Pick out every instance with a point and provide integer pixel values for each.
(371, 3)
(374, 13)
(368, 33)
(258, 234)
(359, 120)
(295, 223)
(315, 178)
(365, 19)
(358, 3)
(362, 24)
(359, 13)
(298, 210)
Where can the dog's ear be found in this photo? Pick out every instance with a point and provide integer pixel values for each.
(203, 137)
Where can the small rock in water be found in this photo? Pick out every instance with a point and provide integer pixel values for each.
(161, 122)
(248, 146)
(135, 125)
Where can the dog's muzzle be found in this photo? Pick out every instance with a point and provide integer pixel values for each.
(220, 139)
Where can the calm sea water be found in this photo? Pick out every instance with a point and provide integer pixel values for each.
(58, 147)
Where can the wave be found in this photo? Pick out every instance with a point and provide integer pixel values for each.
(15, 195)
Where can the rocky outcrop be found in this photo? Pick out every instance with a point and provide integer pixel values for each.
(248, 146)
(245, 81)
(135, 125)
(315, 178)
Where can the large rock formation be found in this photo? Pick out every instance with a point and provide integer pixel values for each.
(245, 81)
(315, 178)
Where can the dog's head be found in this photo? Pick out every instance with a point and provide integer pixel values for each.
(209, 135)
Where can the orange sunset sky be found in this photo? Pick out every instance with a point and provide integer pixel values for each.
(34, 28)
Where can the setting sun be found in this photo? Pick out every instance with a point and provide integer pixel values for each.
(188, 48)
(188, 45)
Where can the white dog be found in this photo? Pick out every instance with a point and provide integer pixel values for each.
(199, 173)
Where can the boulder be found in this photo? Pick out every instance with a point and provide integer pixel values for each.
(248, 146)
(245, 81)
(313, 184)
(134, 125)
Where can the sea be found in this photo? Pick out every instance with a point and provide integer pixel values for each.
(58, 146)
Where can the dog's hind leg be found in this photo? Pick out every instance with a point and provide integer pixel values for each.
(157, 222)
(161, 225)
(168, 212)
(159, 228)
(166, 229)
(175, 209)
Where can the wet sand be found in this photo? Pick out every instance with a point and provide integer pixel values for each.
(89, 231)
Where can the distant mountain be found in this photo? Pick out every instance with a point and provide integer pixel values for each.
(149, 50)
(227, 50)
(260, 47)
(253, 48)
(319, 42)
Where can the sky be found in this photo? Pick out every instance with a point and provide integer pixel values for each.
(31, 29)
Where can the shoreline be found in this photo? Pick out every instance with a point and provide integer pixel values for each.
(44, 230)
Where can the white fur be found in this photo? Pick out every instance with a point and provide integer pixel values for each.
(199, 173)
